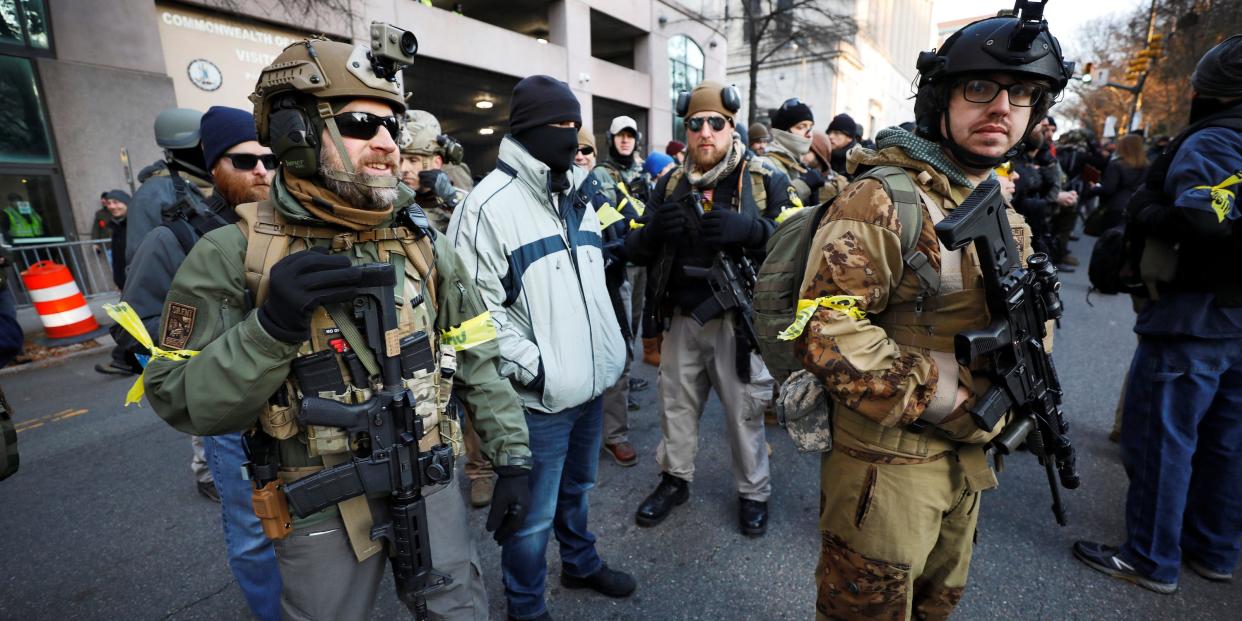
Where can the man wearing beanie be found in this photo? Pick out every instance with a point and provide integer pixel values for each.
(721, 200)
(585, 157)
(676, 150)
(530, 237)
(1181, 435)
(841, 132)
(791, 139)
(758, 138)
(241, 171)
(626, 186)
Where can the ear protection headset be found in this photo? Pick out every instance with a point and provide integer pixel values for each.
(729, 96)
(293, 137)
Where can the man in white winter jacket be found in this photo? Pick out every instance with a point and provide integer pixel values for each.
(529, 235)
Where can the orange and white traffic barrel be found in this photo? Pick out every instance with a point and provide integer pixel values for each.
(59, 302)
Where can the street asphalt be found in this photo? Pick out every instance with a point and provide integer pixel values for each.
(103, 520)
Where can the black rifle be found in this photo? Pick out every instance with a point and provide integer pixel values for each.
(1021, 300)
(732, 281)
(384, 433)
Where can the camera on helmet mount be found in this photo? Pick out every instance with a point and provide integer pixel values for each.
(453, 152)
(392, 49)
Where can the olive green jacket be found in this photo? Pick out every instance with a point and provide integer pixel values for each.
(224, 388)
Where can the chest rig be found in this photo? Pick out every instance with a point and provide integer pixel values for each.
(336, 363)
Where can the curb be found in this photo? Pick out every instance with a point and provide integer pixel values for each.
(51, 362)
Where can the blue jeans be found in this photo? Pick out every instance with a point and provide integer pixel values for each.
(251, 555)
(1181, 444)
(565, 453)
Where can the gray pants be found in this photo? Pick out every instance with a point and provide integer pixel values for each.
(617, 398)
(323, 580)
(198, 463)
(693, 360)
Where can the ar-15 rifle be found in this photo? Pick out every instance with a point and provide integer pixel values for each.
(732, 281)
(384, 434)
(1021, 301)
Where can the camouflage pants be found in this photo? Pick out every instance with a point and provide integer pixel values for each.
(897, 536)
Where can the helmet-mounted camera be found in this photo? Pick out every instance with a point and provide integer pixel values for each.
(392, 49)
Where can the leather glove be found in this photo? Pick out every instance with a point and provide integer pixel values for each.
(510, 502)
(301, 282)
(670, 222)
(813, 179)
(722, 227)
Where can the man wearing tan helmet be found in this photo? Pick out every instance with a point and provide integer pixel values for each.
(422, 168)
(267, 307)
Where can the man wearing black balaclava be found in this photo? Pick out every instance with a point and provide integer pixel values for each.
(530, 237)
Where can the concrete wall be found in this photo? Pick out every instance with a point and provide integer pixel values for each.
(103, 92)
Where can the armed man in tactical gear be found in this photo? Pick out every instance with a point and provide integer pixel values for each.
(900, 488)
(714, 218)
(261, 335)
(180, 179)
(424, 151)
(791, 140)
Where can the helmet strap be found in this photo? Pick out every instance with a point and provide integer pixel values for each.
(349, 175)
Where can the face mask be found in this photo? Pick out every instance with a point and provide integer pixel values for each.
(554, 146)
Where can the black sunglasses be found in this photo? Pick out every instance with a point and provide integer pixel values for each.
(586, 150)
(247, 161)
(695, 124)
(364, 125)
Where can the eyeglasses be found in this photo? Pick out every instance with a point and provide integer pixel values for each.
(586, 150)
(364, 125)
(1021, 94)
(247, 161)
(695, 124)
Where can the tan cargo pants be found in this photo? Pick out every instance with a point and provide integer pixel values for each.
(616, 399)
(693, 360)
(897, 534)
(323, 580)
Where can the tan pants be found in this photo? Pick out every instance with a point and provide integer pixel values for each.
(616, 400)
(693, 360)
(323, 580)
(477, 466)
(896, 537)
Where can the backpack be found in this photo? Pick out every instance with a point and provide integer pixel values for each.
(1117, 255)
(789, 248)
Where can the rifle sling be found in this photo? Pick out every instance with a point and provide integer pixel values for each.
(349, 330)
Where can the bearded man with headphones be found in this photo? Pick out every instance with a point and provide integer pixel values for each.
(900, 490)
(721, 199)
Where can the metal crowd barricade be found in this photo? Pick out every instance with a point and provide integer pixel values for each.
(88, 260)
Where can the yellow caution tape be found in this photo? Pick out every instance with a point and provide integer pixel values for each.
(1222, 199)
(608, 215)
(127, 318)
(635, 224)
(847, 304)
(786, 212)
(470, 332)
(638, 206)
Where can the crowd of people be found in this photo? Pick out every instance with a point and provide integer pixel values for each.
(534, 285)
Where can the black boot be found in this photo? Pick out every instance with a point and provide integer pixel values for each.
(671, 492)
(604, 581)
(752, 517)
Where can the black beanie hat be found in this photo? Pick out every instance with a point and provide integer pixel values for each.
(792, 112)
(541, 100)
(845, 124)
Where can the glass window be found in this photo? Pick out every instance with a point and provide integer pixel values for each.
(24, 136)
(36, 23)
(24, 23)
(685, 65)
(30, 214)
(10, 24)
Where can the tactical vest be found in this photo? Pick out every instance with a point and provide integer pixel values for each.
(22, 225)
(758, 176)
(269, 239)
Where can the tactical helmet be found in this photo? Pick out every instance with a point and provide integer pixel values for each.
(177, 128)
(1015, 42)
(294, 98)
(419, 134)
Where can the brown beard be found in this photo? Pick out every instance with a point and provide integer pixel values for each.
(361, 197)
(238, 188)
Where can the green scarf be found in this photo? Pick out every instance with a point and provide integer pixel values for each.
(922, 150)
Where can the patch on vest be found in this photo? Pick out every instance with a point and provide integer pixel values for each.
(178, 326)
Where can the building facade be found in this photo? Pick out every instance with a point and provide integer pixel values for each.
(868, 76)
(81, 81)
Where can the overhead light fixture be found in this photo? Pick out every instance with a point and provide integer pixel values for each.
(541, 40)
(487, 131)
(484, 104)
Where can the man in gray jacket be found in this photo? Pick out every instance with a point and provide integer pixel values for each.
(529, 235)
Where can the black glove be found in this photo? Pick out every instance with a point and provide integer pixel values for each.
(813, 179)
(722, 227)
(299, 283)
(510, 502)
(670, 222)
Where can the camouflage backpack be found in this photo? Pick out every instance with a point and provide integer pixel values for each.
(776, 302)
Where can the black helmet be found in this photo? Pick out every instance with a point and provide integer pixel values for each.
(1016, 42)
